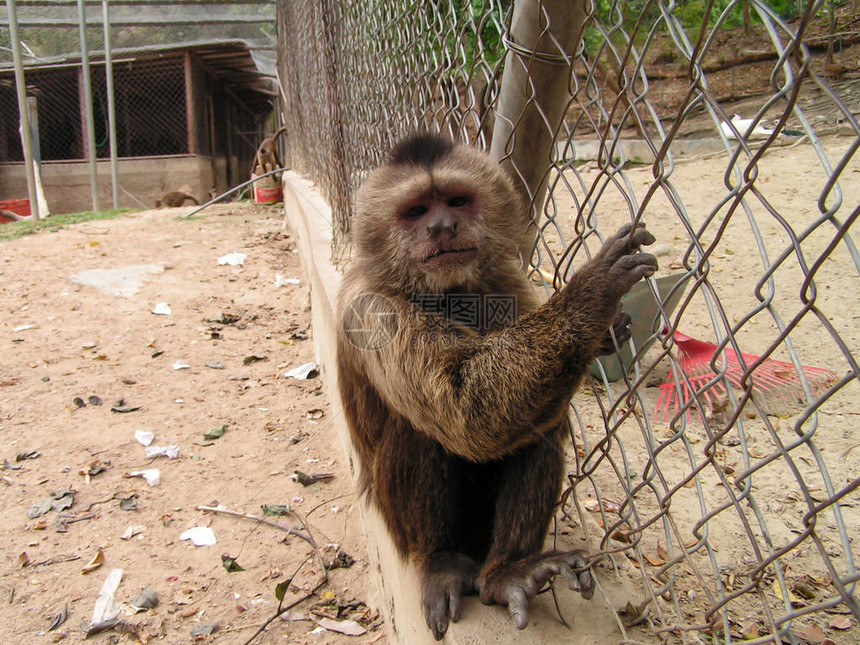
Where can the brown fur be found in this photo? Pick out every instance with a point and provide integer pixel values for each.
(459, 429)
(267, 158)
(175, 198)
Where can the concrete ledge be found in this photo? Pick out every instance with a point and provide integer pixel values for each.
(400, 598)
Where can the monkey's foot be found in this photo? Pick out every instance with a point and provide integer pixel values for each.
(515, 583)
(447, 577)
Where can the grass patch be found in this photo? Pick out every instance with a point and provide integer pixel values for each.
(14, 230)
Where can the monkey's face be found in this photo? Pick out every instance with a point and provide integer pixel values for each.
(431, 221)
(439, 229)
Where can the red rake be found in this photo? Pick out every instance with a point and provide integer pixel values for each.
(776, 380)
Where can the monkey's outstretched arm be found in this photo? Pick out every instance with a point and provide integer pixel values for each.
(483, 397)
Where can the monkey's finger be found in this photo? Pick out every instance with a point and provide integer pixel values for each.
(622, 319)
(630, 269)
(436, 614)
(635, 261)
(518, 607)
(454, 604)
(641, 237)
(616, 248)
(586, 584)
(624, 231)
(437, 618)
(570, 577)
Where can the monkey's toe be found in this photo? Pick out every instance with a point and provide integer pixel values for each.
(447, 577)
(515, 584)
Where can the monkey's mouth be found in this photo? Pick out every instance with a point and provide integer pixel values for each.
(451, 256)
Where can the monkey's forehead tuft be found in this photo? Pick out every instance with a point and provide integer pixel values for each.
(421, 149)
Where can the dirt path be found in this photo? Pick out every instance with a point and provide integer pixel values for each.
(64, 340)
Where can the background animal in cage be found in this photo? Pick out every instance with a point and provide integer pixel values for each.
(176, 198)
(267, 158)
(776, 385)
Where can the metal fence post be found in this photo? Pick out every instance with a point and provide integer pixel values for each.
(88, 104)
(23, 111)
(114, 180)
(535, 90)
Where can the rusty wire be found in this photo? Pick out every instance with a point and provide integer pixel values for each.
(729, 493)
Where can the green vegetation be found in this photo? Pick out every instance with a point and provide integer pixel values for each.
(14, 230)
(690, 13)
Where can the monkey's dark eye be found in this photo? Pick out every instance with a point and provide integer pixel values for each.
(416, 211)
(457, 202)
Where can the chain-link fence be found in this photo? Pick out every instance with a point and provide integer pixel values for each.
(150, 110)
(718, 462)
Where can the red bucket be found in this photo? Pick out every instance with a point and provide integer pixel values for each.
(267, 190)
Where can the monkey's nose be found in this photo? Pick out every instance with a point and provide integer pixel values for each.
(442, 225)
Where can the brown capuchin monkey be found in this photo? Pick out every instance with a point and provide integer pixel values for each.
(456, 382)
(175, 198)
(267, 158)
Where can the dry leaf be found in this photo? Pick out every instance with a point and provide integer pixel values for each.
(23, 559)
(593, 505)
(812, 634)
(750, 631)
(654, 562)
(777, 590)
(97, 561)
(841, 622)
(661, 552)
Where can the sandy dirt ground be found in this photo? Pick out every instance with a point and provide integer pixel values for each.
(218, 360)
(238, 333)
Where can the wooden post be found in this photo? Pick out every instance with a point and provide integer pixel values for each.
(542, 42)
(190, 105)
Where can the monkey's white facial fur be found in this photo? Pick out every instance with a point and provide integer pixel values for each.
(438, 225)
(436, 218)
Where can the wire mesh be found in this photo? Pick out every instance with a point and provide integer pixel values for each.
(189, 78)
(49, 28)
(717, 463)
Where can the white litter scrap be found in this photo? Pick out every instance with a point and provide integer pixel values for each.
(200, 536)
(131, 531)
(233, 259)
(161, 309)
(171, 452)
(280, 280)
(181, 365)
(348, 627)
(106, 607)
(302, 371)
(151, 475)
(144, 437)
